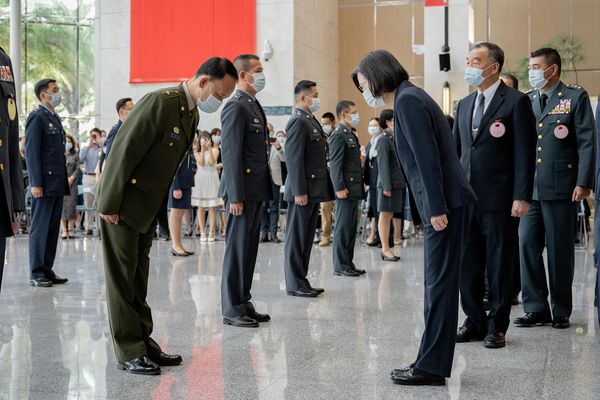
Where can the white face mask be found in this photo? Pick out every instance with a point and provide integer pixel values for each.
(259, 81)
(536, 78)
(211, 104)
(372, 101)
(68, 146)
(354, 120)
(216, 139)
(55, 99)
(373, 130)
(327, 129)
(281, 140)
(316, 104)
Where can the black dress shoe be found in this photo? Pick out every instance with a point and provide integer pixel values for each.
(346, 272)
(357, 270)
(302, 293)
(166, 360)
(314, 289)
(42, 282)
(374, 243)
(465, 335)
(388, 258)
(241, 322)
(57, 280)
(530, 319)
(176, 254)
(258, 317)
(561, 323)
(414, 377)
(264, 239)
(140, 366)
(275, 239)
(494, 340)
(400, 371)
(189, 253)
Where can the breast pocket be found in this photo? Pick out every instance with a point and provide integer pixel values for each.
(173, 139)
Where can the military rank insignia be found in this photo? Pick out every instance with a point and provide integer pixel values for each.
(564, 107)
(6, 74)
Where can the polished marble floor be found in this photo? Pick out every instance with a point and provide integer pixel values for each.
(55, 342)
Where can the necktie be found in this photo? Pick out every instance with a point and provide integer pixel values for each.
(543, 100)
(478, 113)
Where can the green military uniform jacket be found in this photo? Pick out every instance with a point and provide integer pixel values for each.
(145, 156)
(565, 150)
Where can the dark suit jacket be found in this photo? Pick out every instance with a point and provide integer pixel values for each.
(500, 169)
(427, 152)
(184, 178)
(563, 163)
(306, 159)
(10, 159)
(151, 144)
(390, 173)
(45, 152)
(344, 162)
(244, 150)
(597, 192)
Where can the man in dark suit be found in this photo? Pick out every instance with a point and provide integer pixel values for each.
(307, 185)
(124, 105)
(12, 195)
(596, 216)
(245, 186)
(46, 163)
(564, 176)
(150, 146)
(346, 175)
(495, 134)
(427, 152)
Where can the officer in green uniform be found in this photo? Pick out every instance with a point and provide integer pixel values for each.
(150, 146)
(346, 175)
(564, 176)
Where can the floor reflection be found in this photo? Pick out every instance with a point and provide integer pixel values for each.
(55, 343)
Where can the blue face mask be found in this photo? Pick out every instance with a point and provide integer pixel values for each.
(474, 76)
(355, 120)
(536, 78)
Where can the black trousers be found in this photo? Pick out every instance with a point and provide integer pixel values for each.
(43, 235)
(2, 255)
(301, 226)
(271, 213)
(239, 260)
(490, 247)
(344, 234)
(444, 253)
(549, 223)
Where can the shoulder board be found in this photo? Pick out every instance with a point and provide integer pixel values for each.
(576, 87)
(170, 93)
(530, 91)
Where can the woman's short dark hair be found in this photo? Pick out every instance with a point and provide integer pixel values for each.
(385, 116)
(382, 70)
(215, 131)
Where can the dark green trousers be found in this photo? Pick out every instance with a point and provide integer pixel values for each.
(126, 265)
(549, 223)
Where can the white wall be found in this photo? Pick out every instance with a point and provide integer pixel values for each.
(275, 22)
(458, 40)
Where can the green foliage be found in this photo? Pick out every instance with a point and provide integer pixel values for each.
(570, 49)
(51, 35)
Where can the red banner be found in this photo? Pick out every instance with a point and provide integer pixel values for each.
(434, 3)
(170, 39)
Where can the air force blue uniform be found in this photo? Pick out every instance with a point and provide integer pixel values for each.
(46, 163)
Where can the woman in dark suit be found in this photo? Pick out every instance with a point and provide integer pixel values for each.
(390, 191)
(180, 200)
(427, 152)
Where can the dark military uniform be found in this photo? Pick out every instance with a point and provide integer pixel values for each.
(246, 178)
(564, 159)
(46, 164)
(306, 150)
(497, 158)
(150, 146)
(12, 195)
(390, 176)
(346, 173)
